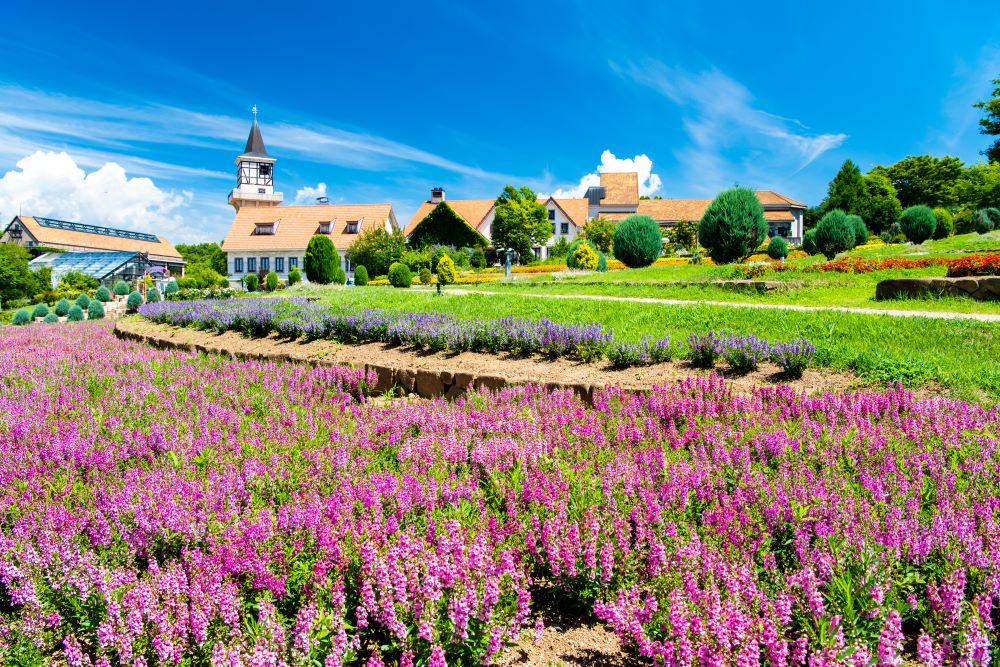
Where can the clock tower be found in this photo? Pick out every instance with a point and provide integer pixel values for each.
(254, 173)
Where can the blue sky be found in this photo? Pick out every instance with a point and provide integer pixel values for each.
(379, 102)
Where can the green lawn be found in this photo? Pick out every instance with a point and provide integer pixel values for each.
(964, 356)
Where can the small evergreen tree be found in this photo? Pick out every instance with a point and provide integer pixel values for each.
(860, 230)
(50, 318)
(172, 287)
(102, 294)
(41, 310)
(965, 221)
(271, 281)
(360, 276)
(83, 300)
(62, 307)
(251, 282)
(573, 247)
(294, 277)
(446, 271)
(121, 288)
(733, 225)
(75, 314)
(585, 257)
(945, 226)
(153, 295)
(321, 259)
(425, 276)
(777, 249)
(918, 223)
(339, 276)
(638, 241)
(22, 316)
(834, 233)
(133, 302)
(478, 259)
(95, 311)
(400, 275)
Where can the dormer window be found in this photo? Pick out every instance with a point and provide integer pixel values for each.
(324, 227)
(353, 226)
(264, 229)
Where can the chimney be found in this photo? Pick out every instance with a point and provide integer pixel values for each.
(437, 195)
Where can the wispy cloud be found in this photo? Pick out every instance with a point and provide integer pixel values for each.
(730, 138)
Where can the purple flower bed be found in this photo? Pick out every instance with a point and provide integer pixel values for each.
(165, 508)
(298, 318)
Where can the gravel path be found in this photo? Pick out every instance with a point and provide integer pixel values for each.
(940, 315)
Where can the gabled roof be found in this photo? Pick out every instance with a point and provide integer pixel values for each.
(255, 142)
(473, 211)
(83, 237)
(620, 188)
(576, 209)
(770, 197)
(297, 224)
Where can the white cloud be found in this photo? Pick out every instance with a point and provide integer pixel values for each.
(649, 183)
(309, 195)
(731, 140)
(51, 184)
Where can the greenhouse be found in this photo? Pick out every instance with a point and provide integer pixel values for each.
(106, 267)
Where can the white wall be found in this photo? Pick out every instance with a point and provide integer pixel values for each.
(271, 254)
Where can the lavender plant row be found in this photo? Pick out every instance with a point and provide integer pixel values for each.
(164, 508)
(434, 331)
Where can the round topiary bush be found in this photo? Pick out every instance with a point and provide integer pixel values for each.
(447, 272)
(339, 276)
(400, 275)
(41, 310)
(133, 302)
(172, 287)
(733, 225)
(62, 307)
(294, 277)
(121, 288)
(573, 247)
(22, 316)
(478, 259)
(945, 223)
(834, 234)
(83, 301)
(585, 257)
(860, 230)
(425, 276)
(983, 221)
(271, 281)
(918, 223)
(251, 282)
(153, 295)
(75, 314)
(809, 242)
(638, 241)
(50, 318)
(95, 311)
(321, 259)
(360, 276)
(102, 294)
(777, 248)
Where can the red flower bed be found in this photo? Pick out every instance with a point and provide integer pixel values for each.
(861, 265)
(974, 265)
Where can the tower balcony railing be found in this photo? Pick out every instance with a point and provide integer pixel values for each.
(249, 193)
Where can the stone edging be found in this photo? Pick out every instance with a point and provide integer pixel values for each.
(981, 288)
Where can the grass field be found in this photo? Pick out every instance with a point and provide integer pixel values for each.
(964, 356)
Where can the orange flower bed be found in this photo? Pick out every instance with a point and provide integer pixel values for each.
(539, 268)
(974, 265)
(860, 265)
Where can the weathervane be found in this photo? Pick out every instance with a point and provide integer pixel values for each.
(253, 110)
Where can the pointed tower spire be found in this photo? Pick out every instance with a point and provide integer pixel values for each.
(255, 142)
(255, 172)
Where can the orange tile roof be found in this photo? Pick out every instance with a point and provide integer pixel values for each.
(673, 209)
(620, 188)
(297, 224)
(84, 241)
(576, 209)
(471, 210)
(769, 197)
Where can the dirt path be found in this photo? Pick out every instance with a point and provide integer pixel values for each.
(940, 315)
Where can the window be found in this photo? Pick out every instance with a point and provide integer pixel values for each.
(279, 264)
(265, 263)
(264, 169)
(564, 228)
(324, 227)
(264, 228)
(552, 214)
(251, 265)
(238, 265)
(293, 263)
(352, 226)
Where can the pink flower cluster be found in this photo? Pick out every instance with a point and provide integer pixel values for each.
(166, 508)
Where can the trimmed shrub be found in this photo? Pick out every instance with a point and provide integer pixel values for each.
(83, 300)
(638, 241)
(965, 221)
(860, 229)
(102, 294)
(425, 276)
(294, 277)
(360, 276)
(121, 288)
(478, 259)
(945, 223)
(573, 247)
(271, 281)
(133, 302)
(446, 271)
(809, 242)
(251, 281)
(400, 275)
(62, 307)
(22, 316)
(983, 221)
(733, 225)
(321, 259)
(834, 233)
(153, 295)
(339, 276)
(777, 248)
(75, 314)
(918, 223)
(41, 310)
(172, 287)
(602, 262)
(223, 282)
(50, 318)
(95, 311)
(585, 257)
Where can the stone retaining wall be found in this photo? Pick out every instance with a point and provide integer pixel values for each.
(981, 288)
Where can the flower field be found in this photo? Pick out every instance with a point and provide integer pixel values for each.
(159, 508)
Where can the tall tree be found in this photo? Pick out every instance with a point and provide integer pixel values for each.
(208, 254)
(878, 205)
(989, 124)
(845, 189)
(520, 222)
(924, 179)
(979, 186)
